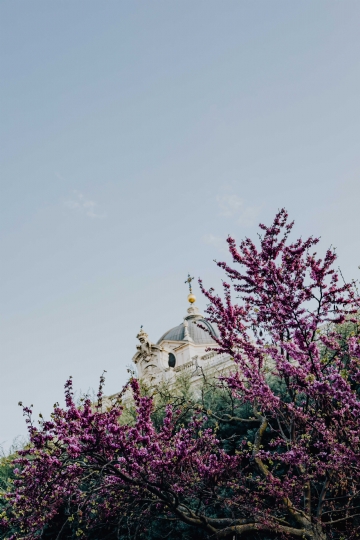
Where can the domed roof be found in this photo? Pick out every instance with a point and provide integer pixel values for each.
(198, 335)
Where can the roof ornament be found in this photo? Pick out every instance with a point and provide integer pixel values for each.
(187, 336)
(144, 348)
(143, 336)
(191, 297)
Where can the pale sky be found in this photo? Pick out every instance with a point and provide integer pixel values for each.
(135, 136)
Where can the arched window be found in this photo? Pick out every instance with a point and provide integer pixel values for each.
(172, 360)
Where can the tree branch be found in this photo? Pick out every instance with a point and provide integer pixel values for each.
(241, 529)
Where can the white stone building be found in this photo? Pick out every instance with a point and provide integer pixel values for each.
(182, 349)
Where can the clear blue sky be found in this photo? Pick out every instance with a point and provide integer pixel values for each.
(135, 136)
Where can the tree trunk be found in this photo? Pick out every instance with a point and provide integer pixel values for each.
(318, 532)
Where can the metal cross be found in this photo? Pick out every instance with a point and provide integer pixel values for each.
(189, 280)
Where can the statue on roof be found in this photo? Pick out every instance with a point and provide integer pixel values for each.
(145, 350)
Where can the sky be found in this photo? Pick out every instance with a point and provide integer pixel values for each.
(134, 137)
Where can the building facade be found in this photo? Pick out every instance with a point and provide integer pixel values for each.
(188, 348)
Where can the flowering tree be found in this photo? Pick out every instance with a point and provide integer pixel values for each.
(302, 381)
(83, 468)
(294, 471)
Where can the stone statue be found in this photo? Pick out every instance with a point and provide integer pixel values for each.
(147, 358)
(144, 350)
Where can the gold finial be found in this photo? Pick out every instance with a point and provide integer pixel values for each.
(191, 296)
